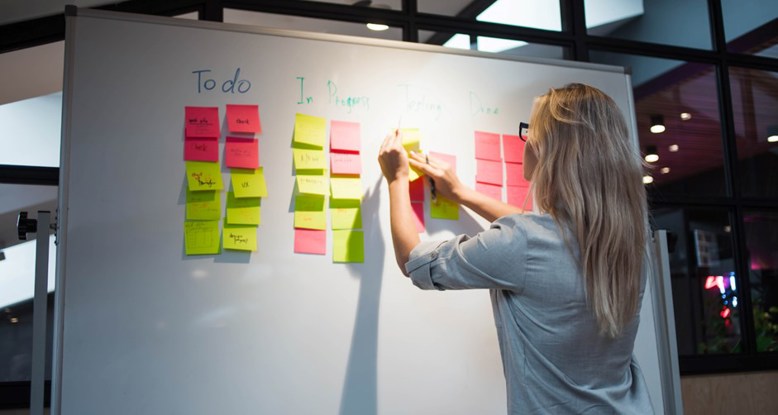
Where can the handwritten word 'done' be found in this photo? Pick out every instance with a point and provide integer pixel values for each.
(207, 82)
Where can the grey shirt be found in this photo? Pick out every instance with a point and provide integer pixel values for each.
(553, 357)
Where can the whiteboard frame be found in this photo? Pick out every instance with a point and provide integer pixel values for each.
(659, 278)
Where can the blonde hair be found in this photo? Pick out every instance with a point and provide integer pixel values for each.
(589, 178)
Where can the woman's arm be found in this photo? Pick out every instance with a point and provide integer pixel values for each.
(394, 165)
(448, 185)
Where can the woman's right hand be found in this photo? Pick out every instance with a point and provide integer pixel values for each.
(447, 183)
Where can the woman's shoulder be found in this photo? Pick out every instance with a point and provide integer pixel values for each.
(528, 221)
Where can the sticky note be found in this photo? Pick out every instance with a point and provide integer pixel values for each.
(202, 175)
(201, 149)
(348, 246)
(344, 136)
(241, 153)
(488, 171)
(308, 241)
(309, 130)
(346, 187)
(203, 205)
(448, 158)
(309, 159)
(249, 182)
(444, 209)
(487, 146)
(517, 195)
(240, 237)
(411, 140)
(202, 122)
(416, 190)
(243, 211)
(514, 175)
(493, 191)
(201, 237)
(345, 214)
(309, 212)
(243, 119)
(345, 163)
(418, 215)
(512, 148)
(312, 184)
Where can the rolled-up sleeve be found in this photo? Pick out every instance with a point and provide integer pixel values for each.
(491, 259)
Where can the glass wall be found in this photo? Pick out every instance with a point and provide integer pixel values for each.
(761, 229)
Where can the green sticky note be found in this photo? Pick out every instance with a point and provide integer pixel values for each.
(412, 142)
(249, 182)
(243, 211)
(203, 205)
(346, 187)
(201, 237)
(309, 130)
(348, 246)
(309, 212)
(203, 175)
(444, 209)
(240, 238)
(309, 159)
(312, 184)
(345, 214)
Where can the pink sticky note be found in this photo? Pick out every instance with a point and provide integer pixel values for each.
(201, 149)
(344, 136)
(418, 215)
(493, 191)
(514, 175)
(243, 119)
(488, 171)
(512, 148)
(487, 146)
(241, 153)
(310, 241)
(201, 122)
(345, 163)
(517, 195)
(448, 158)
(416, 190)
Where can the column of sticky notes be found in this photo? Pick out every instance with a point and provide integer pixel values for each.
(348, 240)
(488, 177)
(310, 164)
(517, 187)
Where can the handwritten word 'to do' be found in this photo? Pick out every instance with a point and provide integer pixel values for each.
(206, 83)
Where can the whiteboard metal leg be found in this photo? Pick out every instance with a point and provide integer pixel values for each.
(39, 314)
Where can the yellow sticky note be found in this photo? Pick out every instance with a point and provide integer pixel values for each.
(309, 130)
(348, 246)
(309, 212)
(203, 205)
(243, 211)
(203, 175)
(201, 237)
(312, 184)
(412, 142)
(241, 238)
(249, 182)
(309, 159)
(346, 187)
(444, 209)
(345, 214)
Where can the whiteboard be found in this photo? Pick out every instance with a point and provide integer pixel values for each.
(143, 328)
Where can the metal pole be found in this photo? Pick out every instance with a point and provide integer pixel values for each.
(39, 315)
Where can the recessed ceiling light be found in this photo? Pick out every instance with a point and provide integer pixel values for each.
(673, 148)
(648, 179)
(772, 139)
(664, 170)
(686, 116)
(651, 154)
(657, 124)
(378, 27)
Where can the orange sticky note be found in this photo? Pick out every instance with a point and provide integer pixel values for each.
(201, 122)
(488, 171)
(512, 148)
(487, 146)
(310, 241)
(493, 191)
(344, 136)
(514, 175)
(241, 153)
(448, 158)
(345, 163)
(243, 119)
(201, 149)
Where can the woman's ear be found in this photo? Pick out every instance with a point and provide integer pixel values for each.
(530, 161)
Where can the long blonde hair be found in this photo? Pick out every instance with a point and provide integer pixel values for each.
(589, 178)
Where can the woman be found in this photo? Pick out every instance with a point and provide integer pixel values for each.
(566, 284)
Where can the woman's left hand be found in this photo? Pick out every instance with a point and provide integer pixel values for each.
(393, 158)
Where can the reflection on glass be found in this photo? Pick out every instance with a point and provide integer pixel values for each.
(526, 13)
(679, 23)
(704, 283)
(519, 48)
(754, 101)
(761, 229)
(751, 27)
(677, 110)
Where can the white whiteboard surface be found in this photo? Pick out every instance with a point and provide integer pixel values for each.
(144, 329)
